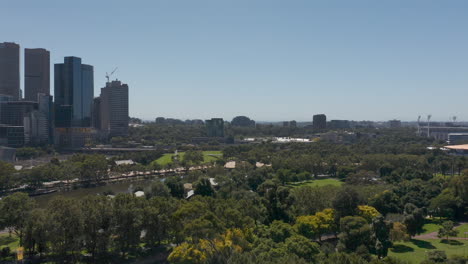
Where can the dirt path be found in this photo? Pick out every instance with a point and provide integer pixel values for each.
(433, 235)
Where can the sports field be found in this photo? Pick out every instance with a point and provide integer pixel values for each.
(208, 156)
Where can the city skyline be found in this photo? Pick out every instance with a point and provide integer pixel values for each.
(410, 60)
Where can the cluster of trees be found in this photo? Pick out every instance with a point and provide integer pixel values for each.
(252, 214)
(89, 169)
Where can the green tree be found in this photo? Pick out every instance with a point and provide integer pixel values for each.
(445, 204)
(346, 202)
(36, 234)
(65, 227)
(6, 174)
(302, 247)
(381, 236)
(386, 202)
(126, 223)
(413, 219)
(14, 212)
(193, 157)
(279, 231)
(437, 256)
(175, 186)
(399, 232)
(157, 189)
(447, 230)
(355, 231)
(203, 187)
(97, 217)
(157, 220)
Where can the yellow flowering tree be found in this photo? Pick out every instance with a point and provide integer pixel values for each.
(368, 212)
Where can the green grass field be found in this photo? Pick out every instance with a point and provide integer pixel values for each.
(8, 241)
(208, 156)
(431, 226)
(434, 226)
(462, 230)
(317, 183)
(416, 250)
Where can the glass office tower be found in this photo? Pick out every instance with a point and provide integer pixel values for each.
(74, 93)
(10, 70)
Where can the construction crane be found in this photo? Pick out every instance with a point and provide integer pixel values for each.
(109, 75)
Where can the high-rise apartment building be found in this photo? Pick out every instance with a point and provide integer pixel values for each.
(46, 107)
(319, 121)
(74, 93)
(114, 109)
(10, 70)
(97, 113)
(215, 127)
(36, 73)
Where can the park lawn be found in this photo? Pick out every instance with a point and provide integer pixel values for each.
(8, 241)
(461, 230)
(416, 250)
(208, 156)
(434, 226)
(431, 226)
(317, 183)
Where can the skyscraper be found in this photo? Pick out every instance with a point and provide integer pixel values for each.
(215, 127)
(74, 93)
(46, 107)
(36, 73)
(10, 70)
(319, 121)
(114, 109)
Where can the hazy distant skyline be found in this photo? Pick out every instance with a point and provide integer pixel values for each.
(270, 60)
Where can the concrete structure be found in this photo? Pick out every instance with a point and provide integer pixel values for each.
(339, 124)
(458, 150)
(36, 73)
(97, 113)
(291, 123)
(46, 107)
(13, 112)
(12, 136)
(74, 137)
(394, 123)
(74, 93)
(114, 109)
(319, 121)
(10, 69)
(36, 129)
(442, 132)
(215, 127)
(457, 138)
(7, 154)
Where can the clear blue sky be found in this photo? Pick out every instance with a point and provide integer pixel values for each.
(268, 59)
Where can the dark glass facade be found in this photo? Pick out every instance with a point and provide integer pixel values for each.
(10, 70)
(74, 93)
(36, 73)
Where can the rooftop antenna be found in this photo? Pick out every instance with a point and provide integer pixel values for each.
(419, 125)
(428, 124)
(109, 75)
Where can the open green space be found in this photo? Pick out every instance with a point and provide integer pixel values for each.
(416, 250)
(8, 241)
(431, 226)
(317, 183)
(208, 156)
(462, 230)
